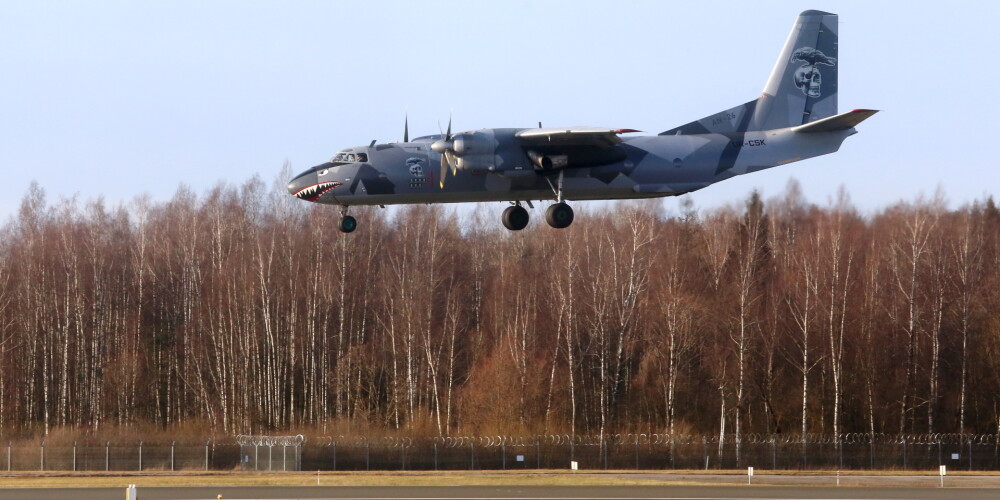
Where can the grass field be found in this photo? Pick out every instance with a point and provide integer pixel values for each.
(484, 478)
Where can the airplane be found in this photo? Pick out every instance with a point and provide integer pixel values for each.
(795, 118)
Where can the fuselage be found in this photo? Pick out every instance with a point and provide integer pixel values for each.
(652, 166)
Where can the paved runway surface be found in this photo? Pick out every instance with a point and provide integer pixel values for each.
(506, 492)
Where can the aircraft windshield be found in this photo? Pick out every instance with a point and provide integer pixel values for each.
(348, 157)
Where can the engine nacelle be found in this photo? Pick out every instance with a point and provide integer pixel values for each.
(548, 162)
(475, 150)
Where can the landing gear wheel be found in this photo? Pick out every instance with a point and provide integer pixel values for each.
(347, 224)
(559, 215)
(515, 218)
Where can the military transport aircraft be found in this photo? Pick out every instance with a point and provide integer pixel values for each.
(794, 119)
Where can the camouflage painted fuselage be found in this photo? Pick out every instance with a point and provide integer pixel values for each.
(662, 165)
(794, 118)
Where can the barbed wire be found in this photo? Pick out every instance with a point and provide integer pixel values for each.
(259, 440)
(657, 439)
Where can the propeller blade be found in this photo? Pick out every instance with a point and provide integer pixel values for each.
(448, 136)
(406, 128)
(444, 169)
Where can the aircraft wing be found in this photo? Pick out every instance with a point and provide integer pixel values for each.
(571, 136)
(572, 146)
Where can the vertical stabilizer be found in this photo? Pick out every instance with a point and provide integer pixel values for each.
(803, 85)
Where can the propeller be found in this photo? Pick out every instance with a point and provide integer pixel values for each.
(446, 148)
(406, 128)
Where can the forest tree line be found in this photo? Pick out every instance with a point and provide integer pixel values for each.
(247, 310)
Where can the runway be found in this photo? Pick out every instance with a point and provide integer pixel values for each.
(685, 492)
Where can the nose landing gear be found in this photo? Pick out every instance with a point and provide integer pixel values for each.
(347, 223)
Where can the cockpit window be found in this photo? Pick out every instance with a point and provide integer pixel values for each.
(348, 157)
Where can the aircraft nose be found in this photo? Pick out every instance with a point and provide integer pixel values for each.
(302, 182)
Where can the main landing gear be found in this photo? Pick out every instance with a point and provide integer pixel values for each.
(347, 223)
(515, 217)
(559, 215)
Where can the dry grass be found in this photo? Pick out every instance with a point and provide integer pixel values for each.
(454, 478)
(554, 478)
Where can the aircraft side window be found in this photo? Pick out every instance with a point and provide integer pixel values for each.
(363, 157)
(350, 157)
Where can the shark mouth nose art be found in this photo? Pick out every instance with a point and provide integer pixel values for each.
(312, 193)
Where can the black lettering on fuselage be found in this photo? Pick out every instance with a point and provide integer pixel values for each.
(752, 143)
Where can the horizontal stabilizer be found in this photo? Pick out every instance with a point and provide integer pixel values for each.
(834, 123)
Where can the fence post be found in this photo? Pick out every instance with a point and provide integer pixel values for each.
(704, 450)
(107, 456)
(435, 456)
(472, 455)
(805, 452)
(284, 457)
(604, 448)
(871, 454)
(774, 453)
(270, 456)
(939, 452)
(904, 452)
(402, 455)
(140, 455)
(503, 454)
(970, 456)
(840, 453)
(172, 445)
(206, 453)
(11, 443)
(368, 455)
(42, 463)
(673, 451)
(538, 453)
(637, 452)
(74, 456)
(334, 455)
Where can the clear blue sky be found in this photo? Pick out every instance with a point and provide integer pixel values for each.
(117, 99)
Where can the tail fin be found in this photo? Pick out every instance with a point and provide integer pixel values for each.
(803, 84)
(802, 87)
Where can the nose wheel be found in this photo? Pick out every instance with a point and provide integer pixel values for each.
(347, 223)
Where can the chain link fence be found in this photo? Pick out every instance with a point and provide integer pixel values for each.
(252, 458)
(611, 451)
(118, 457)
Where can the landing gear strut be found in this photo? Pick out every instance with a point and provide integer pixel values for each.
(347, 223)
(515, 217)
(559, 215)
